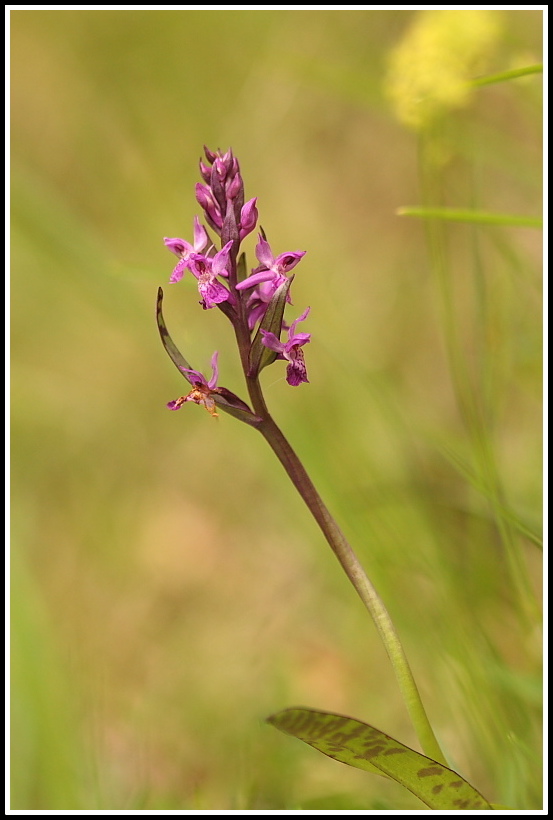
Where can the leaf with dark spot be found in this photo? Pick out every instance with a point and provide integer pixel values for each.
(358, 744)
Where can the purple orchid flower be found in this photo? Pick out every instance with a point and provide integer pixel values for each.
(206, 269)
(201, 388)
(184, 250)
(296, 372)
(270, 267)
(266, 278)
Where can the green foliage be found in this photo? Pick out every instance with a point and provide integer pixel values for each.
(172, 350)
(358, 744)
(459, 215)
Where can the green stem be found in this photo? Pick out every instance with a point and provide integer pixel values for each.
(353, 569)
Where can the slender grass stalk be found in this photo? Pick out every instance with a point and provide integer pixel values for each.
(470, 396)
(466, 215)
(513, 74)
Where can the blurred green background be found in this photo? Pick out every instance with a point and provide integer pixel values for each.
(169, 589)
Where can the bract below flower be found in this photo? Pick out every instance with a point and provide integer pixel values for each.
(296, 372)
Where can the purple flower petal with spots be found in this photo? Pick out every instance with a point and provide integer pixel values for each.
(206, 269)
(296, 372)
(212, 293)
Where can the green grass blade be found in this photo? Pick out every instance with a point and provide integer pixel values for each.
(513, 74)
(364, 747)
(509, 516)
(466, 215)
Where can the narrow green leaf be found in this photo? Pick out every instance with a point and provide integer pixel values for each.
(261, 356)
(512, 74)
(525, 528)
(358, 744)
(462, 215)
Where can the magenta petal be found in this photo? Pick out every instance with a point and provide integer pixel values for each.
(220, 261)
(234, 187)
(271, 341)
(256, 312)
(248, 217)
(264, 253)
(296, 372)
(178, 271)
(201, 239)
(214, 371)
(177, 246)
(213, 293)
(286, 261)
(194, 376)
(256, 279)
(301, 318)
(300, 339)
(204, 196)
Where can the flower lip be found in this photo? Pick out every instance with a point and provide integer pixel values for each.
(206, 269)
(202, 389)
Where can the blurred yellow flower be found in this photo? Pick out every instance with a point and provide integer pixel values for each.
(430, 69)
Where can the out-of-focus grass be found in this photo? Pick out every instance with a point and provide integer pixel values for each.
(169, 589)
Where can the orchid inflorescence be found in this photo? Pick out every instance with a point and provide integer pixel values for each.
(254, 304)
